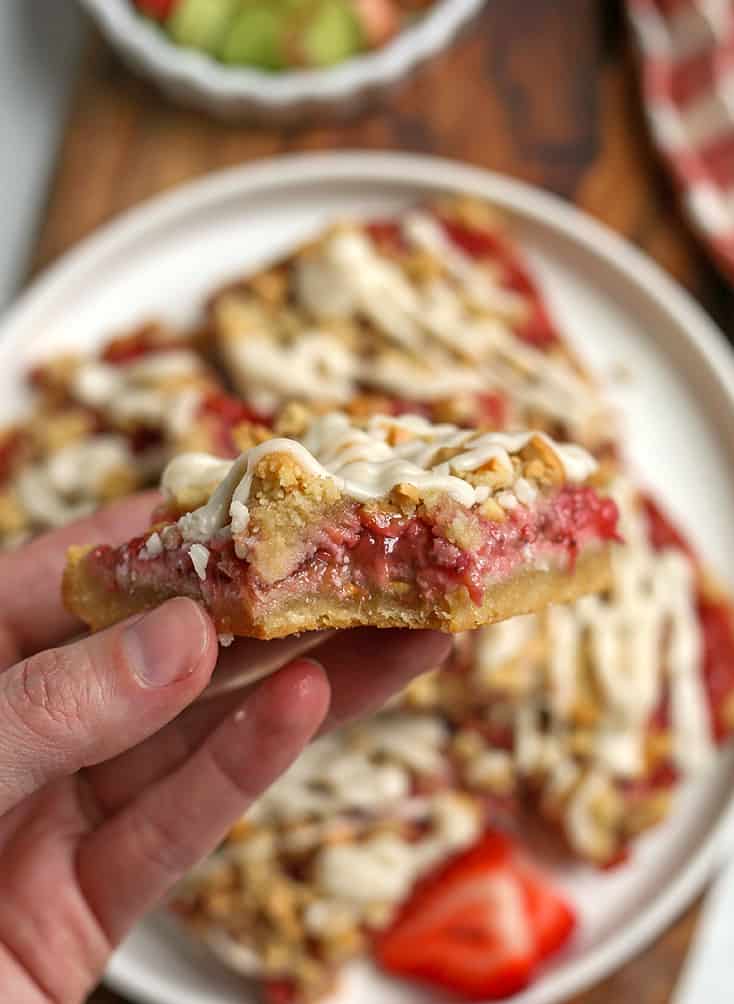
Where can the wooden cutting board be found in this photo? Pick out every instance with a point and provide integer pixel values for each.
(583, 137)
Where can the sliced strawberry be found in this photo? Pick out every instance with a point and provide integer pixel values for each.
(466, 927)
(552, 918)
(158, 9)
(480, 925)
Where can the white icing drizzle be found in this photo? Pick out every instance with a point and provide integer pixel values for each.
(378, 287)
(427, 321)
(423, 379)
(146, 390)
(366, 464)
(316, 365)
(193, 473)
(385, 867)
(67, 484)
(498, 645)
(365, 767)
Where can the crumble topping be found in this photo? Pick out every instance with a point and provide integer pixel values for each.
(199, 559)
(406, 454)
(71, 482)
(360, 319)
(153, 547)
(151, 390)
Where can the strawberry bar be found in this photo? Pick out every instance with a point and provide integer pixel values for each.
(432, 312)
(594, 712)
(391, 522)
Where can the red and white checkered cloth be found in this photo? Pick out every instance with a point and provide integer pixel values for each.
(688, 87)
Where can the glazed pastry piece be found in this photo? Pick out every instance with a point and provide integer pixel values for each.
(105, 425)
(394, 522)
(433, 312)
(594, 712)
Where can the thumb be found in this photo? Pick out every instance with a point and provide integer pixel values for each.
(70, 707)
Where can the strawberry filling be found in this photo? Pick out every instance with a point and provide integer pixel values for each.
(367, 550)
(141, 342)
(717, 631)
(224, 413)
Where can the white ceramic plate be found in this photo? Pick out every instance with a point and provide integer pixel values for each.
(617, 308)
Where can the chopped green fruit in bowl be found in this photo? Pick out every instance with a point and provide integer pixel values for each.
(332, 34)
(279, 35)
(201, 24)
(256, 37)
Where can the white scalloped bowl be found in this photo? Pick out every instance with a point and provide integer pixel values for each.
(195, 79)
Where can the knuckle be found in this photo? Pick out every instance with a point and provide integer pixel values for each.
(228, 773)
(165, 845)
(52, 691)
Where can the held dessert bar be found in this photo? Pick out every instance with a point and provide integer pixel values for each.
(392, 522)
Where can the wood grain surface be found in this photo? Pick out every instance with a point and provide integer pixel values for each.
(544, 90)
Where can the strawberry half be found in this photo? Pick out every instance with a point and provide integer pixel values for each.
(479, 925)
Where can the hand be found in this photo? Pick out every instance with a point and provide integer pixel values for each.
(111, 786)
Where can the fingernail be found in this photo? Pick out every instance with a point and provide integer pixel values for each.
(165, 645)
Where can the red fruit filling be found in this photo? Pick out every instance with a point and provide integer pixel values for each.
(483, 245)
(387, 235)
(538, 329)
(141, 342)
(225, 413)
(492, 410)
(367, 551)
(718, 644)
(717, 628)
(661, 532)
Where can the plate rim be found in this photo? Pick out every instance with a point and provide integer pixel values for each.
(633, 267)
